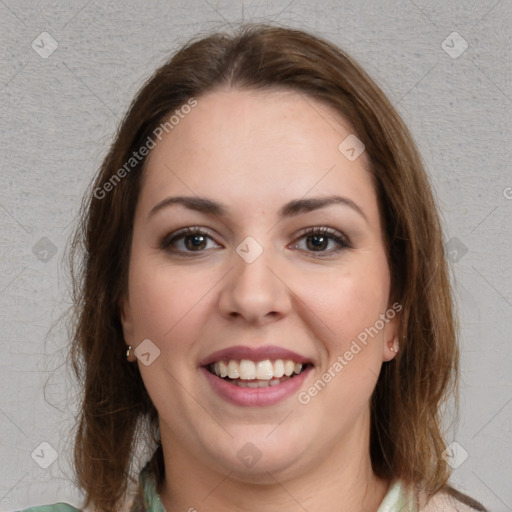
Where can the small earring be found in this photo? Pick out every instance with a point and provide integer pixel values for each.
(394, 346)
(130, 356)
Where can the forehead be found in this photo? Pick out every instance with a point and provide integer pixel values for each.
(250, 146)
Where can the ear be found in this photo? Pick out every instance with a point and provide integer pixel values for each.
(126, 320)
(392, 332)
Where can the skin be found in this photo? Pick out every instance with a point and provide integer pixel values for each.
(254, 151)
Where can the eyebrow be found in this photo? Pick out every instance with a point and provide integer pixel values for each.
(290, 209)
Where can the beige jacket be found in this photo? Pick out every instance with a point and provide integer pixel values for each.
(450, 500)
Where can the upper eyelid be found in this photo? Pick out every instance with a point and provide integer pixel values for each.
(192, 230)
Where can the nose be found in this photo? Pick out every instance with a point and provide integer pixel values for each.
(255, 292)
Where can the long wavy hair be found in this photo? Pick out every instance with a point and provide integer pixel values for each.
(116, 413)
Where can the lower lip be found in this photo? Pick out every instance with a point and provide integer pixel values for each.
(255, 397)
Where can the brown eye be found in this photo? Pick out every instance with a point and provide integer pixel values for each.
(317, 242)
(323, 241)
(193, 242)
(188, 241)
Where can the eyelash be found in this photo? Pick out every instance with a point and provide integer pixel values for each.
(342, 241)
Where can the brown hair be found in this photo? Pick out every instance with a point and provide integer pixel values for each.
(406, 441)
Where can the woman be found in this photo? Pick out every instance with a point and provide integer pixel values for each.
(263, 244)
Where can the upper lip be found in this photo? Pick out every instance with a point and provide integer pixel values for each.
(239, 352)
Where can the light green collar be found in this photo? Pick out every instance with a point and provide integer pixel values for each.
(152, 500)
(398, 499)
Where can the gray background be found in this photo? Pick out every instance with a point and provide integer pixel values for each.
(58, 116)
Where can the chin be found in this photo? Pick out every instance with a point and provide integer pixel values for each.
(259, 457)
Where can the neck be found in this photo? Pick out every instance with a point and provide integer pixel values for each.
(343, 481)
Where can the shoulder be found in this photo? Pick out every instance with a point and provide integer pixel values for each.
(449, 499)
(57, 507)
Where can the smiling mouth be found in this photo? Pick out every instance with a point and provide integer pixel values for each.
(257, 374)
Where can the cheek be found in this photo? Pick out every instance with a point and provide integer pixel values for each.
(166, 300)
(349, 299)
(169, 306)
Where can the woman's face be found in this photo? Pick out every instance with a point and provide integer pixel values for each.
(275, 269)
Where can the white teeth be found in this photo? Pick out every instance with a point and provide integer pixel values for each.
(258, 383)
(223, 369)
(233, 372)
(278, 368)
(289, 367)
(263, 371)
(247, 369)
